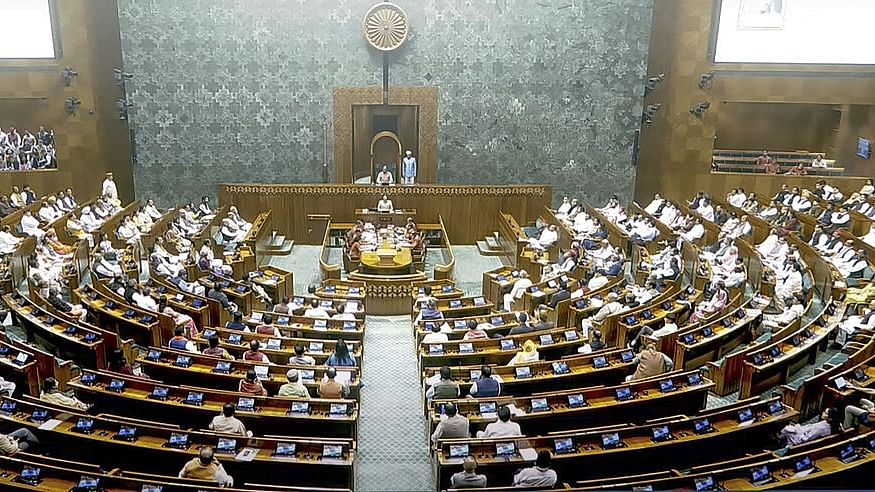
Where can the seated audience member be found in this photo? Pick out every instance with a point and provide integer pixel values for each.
(282, 307)
(487, 385)
(300, 358)
(53, 395)
(868, 188)
(8, 242)
(31, 226)
(502, 427)
(451, 425)
(442, 388)
(792, 312)
(315, 310)
(236, 322)
(215, 350)
(527, 355)
(59, 303)
(227, 423)
(267, 327)
(254, 353)
(523, 325)
(863, 413)
(547, 239)
(795, 434)
(429, 312)
(517, 290)
(475, 331)
(20, 440)
(293, 388)
(251, 384)
(341, 356)
(206, 467)
(540, 475)
(180, 342)
(856, 322)
(594, 344)
(435, 335)
(468, 478)
(179, 319)
(341, 313)
(650, 362)
(331, 389)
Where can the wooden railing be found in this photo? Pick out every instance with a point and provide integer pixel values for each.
(328, 270)
(447, 271)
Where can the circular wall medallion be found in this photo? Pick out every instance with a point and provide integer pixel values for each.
(386, 26)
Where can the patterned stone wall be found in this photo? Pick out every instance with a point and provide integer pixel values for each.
(546, 91)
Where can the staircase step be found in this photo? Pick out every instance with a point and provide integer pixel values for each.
(281, 249)
(485, 250)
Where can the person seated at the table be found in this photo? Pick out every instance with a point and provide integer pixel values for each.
(236, 322)
(282, 307)
(22, 439)
(487, 385)
(341, 356)
(795, 434)
(341, 314)
(435, 335)
(179, 342)
(441, 385)
(215, 350)
(715, 304)
(540, 475)
(267, 327)
(669, 326)
(548, 238)
(251, 385)
(206, 467)
(51, 394)
(300, 358)
(227, 423)
(856, 322)
(8, 242)
(527, 355)
(594, 344)
(451, 425)
(429, 312)
(650, 362)
(59, 303)
(254, 353)
(315, 310)
(516, 292)
(329, 388)
(562, 294)
(355, 247)
(502, 427)
(524, 325)
(475, 331)
(293, 388)
(468, 478)
(231, 231)
(385, 205)
(384, 177)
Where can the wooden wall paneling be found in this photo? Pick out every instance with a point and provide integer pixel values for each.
(469, 212)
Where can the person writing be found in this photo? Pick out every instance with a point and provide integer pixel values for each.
(385, 205)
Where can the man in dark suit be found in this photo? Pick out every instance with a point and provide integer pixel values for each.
(541, 323)
(562, 294)
(523, 327)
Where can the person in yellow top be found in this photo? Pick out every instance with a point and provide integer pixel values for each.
(527, 355)
(206, 467)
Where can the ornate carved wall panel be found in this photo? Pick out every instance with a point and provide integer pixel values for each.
(530, 92)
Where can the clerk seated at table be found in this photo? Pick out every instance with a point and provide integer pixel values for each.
(385, 205)
(384, 177)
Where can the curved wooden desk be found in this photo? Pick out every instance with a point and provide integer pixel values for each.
(388, 294)
(387, 261)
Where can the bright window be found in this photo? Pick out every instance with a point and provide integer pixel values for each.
(26, 29)
(796, 31)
